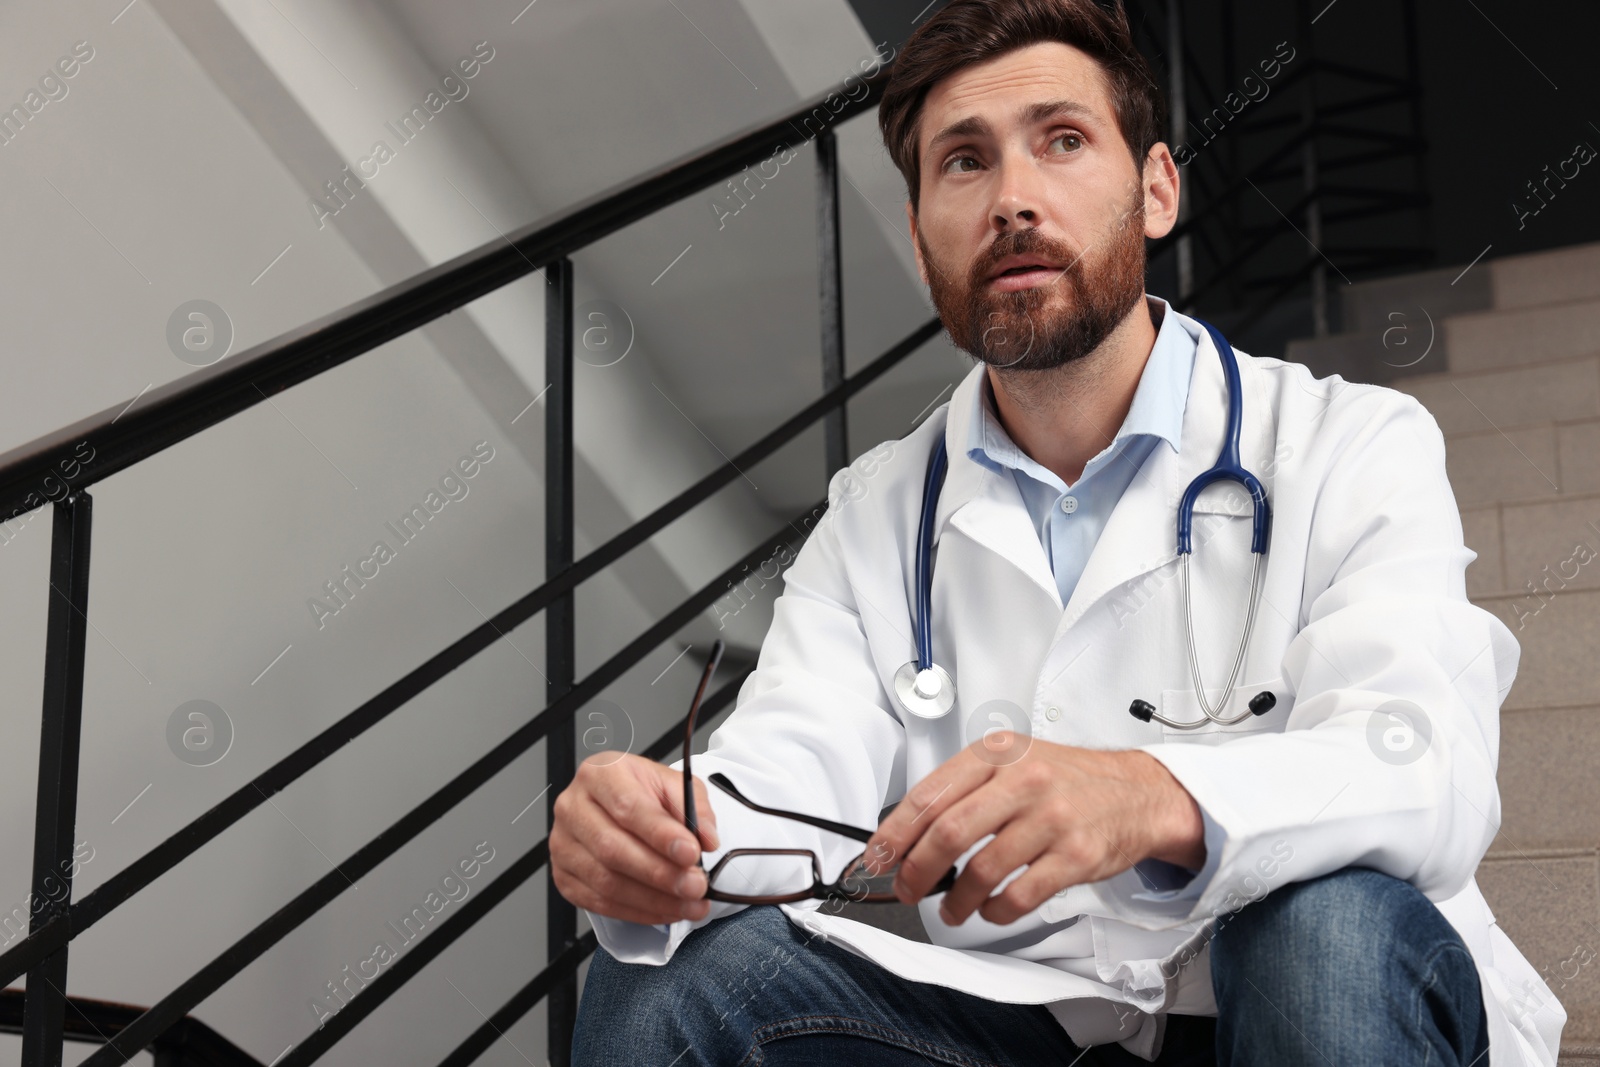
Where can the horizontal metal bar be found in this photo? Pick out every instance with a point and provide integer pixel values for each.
(1328, 111)
(1201, 112)
(1378, 202)
(122, 436)
(90, 1021)
(1261, 307)
(1397, 142)
(153, 864)
(1232, 189)
(1326, 165)
(1363, 74)
(672, 740)
(380, 989)
(641, 531)
(529, 995)
(252, 945)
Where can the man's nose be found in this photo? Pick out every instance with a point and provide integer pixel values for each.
(1019, 195)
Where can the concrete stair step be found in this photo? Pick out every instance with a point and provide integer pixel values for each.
(1543, 542)
(1558, 276)
(1558, 637)
(1549, 795)
(1407, 347)
(1548, 902)
(1504, 465)
(1500, 312)
(1565, 390)
(1485, 340)
(1513, 378)
(1373, 306)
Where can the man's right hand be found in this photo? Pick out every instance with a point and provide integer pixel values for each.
(619, 846)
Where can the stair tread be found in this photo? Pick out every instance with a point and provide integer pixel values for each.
(1513, 379)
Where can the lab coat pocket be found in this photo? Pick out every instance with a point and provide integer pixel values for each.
(1183, 705)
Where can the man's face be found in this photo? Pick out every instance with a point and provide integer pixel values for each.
(1023, 163)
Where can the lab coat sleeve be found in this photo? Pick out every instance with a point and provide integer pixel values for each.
(1387, 758)
(813, 732)
(1167, 882)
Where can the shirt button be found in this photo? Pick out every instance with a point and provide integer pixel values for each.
(1053, 714)
(1069, 504)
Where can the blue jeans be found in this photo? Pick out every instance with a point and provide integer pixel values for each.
(1355, 967)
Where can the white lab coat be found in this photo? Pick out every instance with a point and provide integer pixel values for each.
(1363, 603)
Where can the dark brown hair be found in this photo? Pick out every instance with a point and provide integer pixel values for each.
(966, 32)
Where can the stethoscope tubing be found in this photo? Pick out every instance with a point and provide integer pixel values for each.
(1226, 468)
(931, 485)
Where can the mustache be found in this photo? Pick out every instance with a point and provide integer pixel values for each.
(1024, 242)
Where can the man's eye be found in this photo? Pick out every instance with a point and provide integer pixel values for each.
(957, 159)
(1072, 137)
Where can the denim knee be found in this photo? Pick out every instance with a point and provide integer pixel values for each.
(1353, 959)
(630, 1012)
(1345, 922)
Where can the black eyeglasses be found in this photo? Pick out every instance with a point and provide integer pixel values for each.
(801, 880)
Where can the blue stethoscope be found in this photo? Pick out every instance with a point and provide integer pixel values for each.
(924, 689)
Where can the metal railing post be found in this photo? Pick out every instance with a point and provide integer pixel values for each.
(835, 428)
(1408, 18)
(561, 918)
(1308, 164)
(1178, 98)
(56, 810)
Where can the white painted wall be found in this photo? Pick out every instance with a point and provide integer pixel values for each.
(179, 166)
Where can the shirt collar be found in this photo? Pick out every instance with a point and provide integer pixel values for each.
(1156, 410)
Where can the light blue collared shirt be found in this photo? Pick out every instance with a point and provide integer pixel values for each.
(1070, 518)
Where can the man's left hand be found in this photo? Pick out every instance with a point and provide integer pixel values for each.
(1072, 815)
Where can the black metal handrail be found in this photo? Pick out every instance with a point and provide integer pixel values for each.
(159, 860)
(182, 408)
(188, 1043)
(59, 467)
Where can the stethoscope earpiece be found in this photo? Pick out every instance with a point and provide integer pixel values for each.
(1260, 704)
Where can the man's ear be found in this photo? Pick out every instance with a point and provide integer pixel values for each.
(1161, 187)
(916, 246)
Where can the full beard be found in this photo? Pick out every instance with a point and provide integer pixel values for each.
(1048, 325)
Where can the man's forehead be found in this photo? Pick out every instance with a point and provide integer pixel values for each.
(1000, 90)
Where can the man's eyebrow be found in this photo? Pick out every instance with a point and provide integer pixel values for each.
(974, 126)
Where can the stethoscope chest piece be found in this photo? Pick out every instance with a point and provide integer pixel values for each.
(928, 694)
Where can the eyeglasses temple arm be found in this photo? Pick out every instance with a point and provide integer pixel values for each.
(689, 817)
(855, 834)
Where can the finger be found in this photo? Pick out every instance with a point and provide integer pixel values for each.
(986, 810)
(923, 804)
(1020, 842)
(705, 815)
(1044, 878)
(619, 851)
(586, 882)
(633, 795)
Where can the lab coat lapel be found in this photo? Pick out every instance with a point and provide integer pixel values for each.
(985, 506)
(1141, 534)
